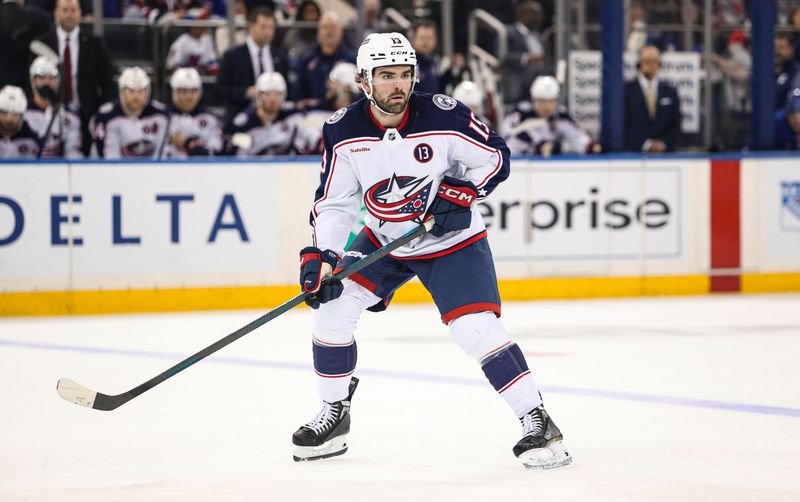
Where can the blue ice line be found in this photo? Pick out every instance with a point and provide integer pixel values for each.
(432, 378)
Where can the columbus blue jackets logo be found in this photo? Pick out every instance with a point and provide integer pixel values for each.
(401, 198)
(141, 148)
(790, 210)
(444, 101)
(337, 116)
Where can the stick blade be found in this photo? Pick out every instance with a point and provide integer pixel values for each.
(75, 393)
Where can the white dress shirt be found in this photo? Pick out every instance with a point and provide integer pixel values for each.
(266, 57)
(643, 82)
(75, 104)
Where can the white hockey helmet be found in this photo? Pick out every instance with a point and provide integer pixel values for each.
(385, 49)
(470, 94)
(186, 78)
(12, 100)
(134, 78)
(545, 87)
(344, 74)
(43, 67)
(271, 81)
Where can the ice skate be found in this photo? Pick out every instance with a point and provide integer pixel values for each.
(541, 446)
(326, 435)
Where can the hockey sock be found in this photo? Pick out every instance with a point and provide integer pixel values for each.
(484, 338)
(334, 365)
(508, 373)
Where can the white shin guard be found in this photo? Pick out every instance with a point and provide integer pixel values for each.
(483, 336)
(334, 325)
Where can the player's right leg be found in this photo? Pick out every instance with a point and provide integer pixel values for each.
(334, 349)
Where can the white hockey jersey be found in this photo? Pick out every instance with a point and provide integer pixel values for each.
(201, 130)
(287, 135)
(23, 145)
(198, 53)
(528, 133)
(65, 144)
(396, 172)
(118, 136)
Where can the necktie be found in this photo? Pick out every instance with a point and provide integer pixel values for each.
(651, 100)
(260, 61)
(67, 72)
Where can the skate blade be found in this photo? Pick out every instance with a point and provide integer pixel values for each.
(333, 448)
(552, 456)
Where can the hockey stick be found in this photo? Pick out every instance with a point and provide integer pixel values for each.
(166, 137)
(80, 395)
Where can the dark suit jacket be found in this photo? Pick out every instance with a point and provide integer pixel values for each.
(236, 75)
(516, 89)
(95, 83)
(639, 127)
(18, 26)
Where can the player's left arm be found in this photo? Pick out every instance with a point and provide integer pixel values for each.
(479, 148)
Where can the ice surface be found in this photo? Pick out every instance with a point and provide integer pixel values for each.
(694, 398)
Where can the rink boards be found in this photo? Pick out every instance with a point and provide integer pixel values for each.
(140, 236)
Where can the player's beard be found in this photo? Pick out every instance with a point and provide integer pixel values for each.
(393, 106)
(8, 129)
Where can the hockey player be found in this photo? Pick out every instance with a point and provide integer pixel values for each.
(64, 139)
(132, 126)
(269, 127)
(410, 156)
(193, 130)
(17, 139)
(194, 49)
(472, 95)
(342, 87)
(544, 128)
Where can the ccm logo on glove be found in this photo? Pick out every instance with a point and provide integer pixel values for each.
(463, 196)
(452, 207)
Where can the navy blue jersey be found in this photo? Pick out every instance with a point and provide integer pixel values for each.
(396, 172)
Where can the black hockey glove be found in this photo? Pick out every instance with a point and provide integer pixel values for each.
(451, 209)
(315, 265)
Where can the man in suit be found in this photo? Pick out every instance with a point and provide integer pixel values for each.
(87, 82)
(652, 108)
(243, 64)
(19, 24)
(526, 58)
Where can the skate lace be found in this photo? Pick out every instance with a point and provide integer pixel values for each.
(325, 418)
(532, 423)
